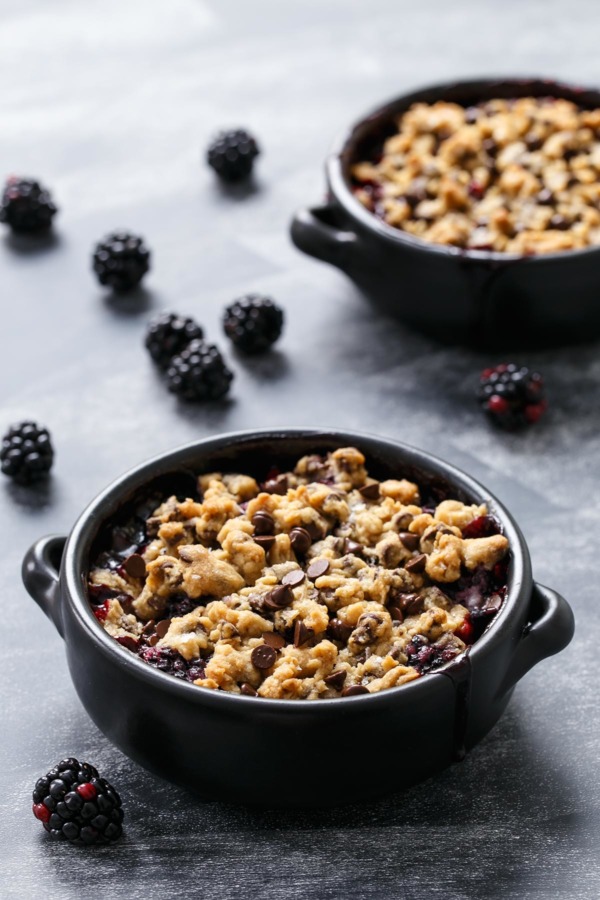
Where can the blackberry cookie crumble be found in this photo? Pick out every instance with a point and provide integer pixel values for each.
(320, 582)
(515, 176)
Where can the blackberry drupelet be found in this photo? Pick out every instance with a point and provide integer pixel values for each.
(121, 260)
(26, 206)
(168, 335)
(253, 323)
(73, 803)
(512, 396)
(232, 154)
(27, 453)
(199, 373)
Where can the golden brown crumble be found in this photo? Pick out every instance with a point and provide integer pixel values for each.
(334, 584)
(516, 176)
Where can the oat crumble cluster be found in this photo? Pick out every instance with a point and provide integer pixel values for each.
(517, 176)
(318, 583)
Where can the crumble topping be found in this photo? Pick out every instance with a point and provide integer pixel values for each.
(320, 582)
(518, 176)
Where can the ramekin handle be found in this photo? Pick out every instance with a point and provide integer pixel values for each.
(40, 573)
(314, 232)
(550, 629)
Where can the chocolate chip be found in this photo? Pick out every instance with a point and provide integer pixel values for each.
(353, 690)
(316, 531)
(417, 564)
(410, 604)
(533, 141)
(317, 568)
(401, 521)
(248, 690)
(352, 547)
(263, 522)
(263, 657)
(280, 597)
(302, 634)
(294, 578)
(409, 540)
(274, 640)
(396, 613)
(370, 491)
(335, 680)
(472, 114)
(490, 146)
(153, 640)
(278, 485)
(162, 627)
(149, 627)
(265, 541)
(339, 631)
(559, 223)
(135, 566)
(545, 197)
(300, 540)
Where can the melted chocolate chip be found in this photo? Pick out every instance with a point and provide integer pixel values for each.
(135, 566)
(409, 540)
(370, 491)
(396, 613)
(316, 531)
(354, 547)
(263, 657)
(263, 522)
(339, 631)
(335, 680)
(265, 541)
(162, 627)
(302, 634)
(274, 640)
(300, 540)
(317, 568)
(278, 485)
(353, 690)
(280, 597)
(248, 690)
(408, 603)
(417, 564)
(294, 578)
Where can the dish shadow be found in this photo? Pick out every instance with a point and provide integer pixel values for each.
(499, 826)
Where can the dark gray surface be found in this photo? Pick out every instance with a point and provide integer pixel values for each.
(111, 103)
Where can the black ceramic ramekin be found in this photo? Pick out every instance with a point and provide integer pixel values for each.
(285, 752)
(461, 296)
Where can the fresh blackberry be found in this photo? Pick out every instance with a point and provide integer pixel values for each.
(121, 260)
(168, 335)
(232, 154)
(26, 453)
(253, 323)
(173, 663)
(512, 396)
(26, 206)
(199, 373)
(73, 803)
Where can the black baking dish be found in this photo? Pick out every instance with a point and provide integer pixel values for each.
(292, 752)
(473, 297)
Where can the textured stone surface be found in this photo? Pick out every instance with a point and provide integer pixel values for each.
(111, 103)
